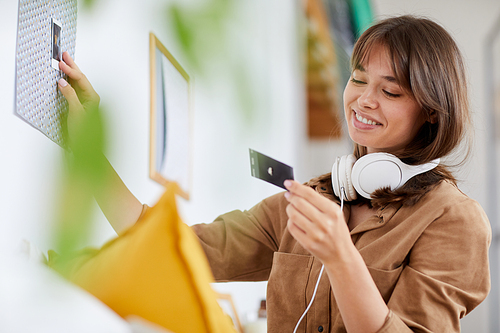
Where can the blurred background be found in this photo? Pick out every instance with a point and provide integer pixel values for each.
(268, 75)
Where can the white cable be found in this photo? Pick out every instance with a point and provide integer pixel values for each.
(312, 299)
(342, 194)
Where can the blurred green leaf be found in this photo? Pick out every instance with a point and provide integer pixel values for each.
(88, 4)
(203, 34)
(244, 91)
(184, 34)
(84, 174)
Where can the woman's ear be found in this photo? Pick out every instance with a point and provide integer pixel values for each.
(433, 117)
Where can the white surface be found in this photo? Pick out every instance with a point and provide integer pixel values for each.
(33, 298)
(258, 326)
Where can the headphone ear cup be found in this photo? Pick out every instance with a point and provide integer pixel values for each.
(378, 170)
(335, 177)
(375, 171)
(371, 172)
(341, 177)
(350, 191)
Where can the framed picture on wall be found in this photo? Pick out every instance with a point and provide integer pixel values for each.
(171, 119)
(496, 82)
(226, 303)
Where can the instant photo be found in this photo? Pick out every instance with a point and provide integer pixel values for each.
(56, 44)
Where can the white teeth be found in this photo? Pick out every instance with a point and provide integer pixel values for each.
(365, 121)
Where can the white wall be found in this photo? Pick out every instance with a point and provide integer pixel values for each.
(112, 49)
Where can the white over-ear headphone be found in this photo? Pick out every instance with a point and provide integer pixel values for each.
(372, 172)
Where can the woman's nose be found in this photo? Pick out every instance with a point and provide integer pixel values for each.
(368, 99)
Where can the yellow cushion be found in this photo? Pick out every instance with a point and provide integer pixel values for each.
(156, 270)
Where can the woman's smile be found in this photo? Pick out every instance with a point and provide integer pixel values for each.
(363, 122)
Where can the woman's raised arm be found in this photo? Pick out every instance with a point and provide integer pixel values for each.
(119, 205)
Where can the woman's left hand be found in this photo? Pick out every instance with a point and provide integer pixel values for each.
(316, 222)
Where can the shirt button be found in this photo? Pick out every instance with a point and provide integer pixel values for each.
(320, 329)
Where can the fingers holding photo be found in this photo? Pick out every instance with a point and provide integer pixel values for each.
(79, 93)
(69, 60)
(77, 79)
(69, 67)
(315, 221)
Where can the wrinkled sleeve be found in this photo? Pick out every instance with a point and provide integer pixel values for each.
(447, 274)
(240, 244)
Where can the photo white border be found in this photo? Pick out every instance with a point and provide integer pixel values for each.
(54, 63)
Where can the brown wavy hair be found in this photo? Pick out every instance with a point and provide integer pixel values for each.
(428, 65)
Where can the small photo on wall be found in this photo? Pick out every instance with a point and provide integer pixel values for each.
(56, 44)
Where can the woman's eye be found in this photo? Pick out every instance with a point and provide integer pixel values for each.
(353, 80)
(391, 94)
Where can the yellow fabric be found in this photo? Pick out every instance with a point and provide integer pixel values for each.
(155, 270)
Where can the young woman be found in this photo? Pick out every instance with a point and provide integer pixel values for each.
(412, 258)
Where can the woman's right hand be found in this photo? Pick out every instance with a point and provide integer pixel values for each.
(79, 93)
(120, 206)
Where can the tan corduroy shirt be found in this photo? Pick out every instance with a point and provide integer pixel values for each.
(429, 261)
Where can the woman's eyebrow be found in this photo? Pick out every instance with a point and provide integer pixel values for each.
(390, 78)
(360, 67)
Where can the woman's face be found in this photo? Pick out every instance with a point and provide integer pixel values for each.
(380, 114)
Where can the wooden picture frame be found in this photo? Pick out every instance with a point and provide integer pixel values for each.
(495, 50)
(170, 119)
(227, 305)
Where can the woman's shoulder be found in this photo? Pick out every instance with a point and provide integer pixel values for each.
(449, 204)
(447, 193)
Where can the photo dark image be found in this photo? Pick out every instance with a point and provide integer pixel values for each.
(56, 41)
